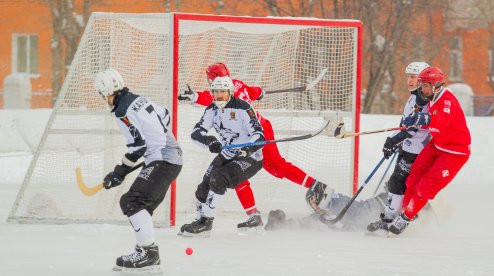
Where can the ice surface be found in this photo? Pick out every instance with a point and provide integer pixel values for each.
(462, 247)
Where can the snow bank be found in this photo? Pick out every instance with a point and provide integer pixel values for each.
(22, 129)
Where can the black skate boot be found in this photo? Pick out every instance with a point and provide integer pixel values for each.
(380, 227)
(253, 225)
(199, 228)
(120, 260)
(400, 224)
(145, 259)
(318, 195)
(182, 229)
(276, 220)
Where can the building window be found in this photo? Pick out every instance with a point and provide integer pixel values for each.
(25, 54)
(456, 59)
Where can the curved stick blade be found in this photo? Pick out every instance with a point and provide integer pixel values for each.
(337, 131)
(85, 190)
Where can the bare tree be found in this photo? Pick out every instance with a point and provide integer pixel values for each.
(69, 26)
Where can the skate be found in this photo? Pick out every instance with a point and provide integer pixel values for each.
(379, 228)
(400, 224)
(120, 260)
(252, 226)
(276, 220)
(182, 229)
(144, 260)
(199, 228)
(318, 195)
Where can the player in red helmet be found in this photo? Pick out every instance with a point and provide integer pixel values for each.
(444, 156)
(318, 194)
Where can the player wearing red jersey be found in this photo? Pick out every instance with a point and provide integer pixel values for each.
(273, 162)
(444, 156)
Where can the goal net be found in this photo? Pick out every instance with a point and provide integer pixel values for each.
(157, 54)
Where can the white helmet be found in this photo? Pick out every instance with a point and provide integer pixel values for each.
(416, 67)
(221, 83)
(108, 82)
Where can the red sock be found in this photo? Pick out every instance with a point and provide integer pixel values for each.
(246, 197)
(298, 176)
(414, 206)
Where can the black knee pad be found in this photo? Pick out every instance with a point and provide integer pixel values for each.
(132, 203)
(219, 181)
(202, 192)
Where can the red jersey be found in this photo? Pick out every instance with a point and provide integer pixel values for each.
(240, 90)
(448, 125)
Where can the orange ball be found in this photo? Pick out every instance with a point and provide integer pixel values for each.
(189, 251)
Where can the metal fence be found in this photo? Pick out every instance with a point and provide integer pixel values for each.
(481, 104)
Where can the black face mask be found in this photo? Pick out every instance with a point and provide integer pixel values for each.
(431, 97)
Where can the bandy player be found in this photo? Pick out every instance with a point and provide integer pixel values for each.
(412, 141)
(444, 156)
(273, 162)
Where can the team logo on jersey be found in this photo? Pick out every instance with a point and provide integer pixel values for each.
(435, 112)
(126, 121)
(445, 173)
(251, 113)
(232, 116)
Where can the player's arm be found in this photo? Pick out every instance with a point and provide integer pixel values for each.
(203, 98)
(397, 138)
(444, 114)
(136, 145)
(253, 127)
(200, 135)
(255, 93)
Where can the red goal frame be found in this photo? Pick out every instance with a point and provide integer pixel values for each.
(175, 26)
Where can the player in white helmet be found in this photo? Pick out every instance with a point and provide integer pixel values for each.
(236, 122)
(144, 124)
(409, 143)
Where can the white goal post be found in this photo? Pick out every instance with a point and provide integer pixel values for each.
(157, 54)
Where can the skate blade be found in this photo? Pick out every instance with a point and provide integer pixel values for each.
(378, 233)
(205, 234)
(325, 201)
(117, 268)
(180, 233)
(147, 270)
(258, 230)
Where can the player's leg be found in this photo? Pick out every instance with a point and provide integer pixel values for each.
(203, 190)
(442, 172)
(246, 197)
(420, 167)
(230, 175)
(396, 191)
(144, 196)
(277, 166)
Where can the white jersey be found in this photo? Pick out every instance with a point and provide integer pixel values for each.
(237, 123)
(144, 124)
(421, 137)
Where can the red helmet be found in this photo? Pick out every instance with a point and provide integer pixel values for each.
(217, 70)
(432, 75)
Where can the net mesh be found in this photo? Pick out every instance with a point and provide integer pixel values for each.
(82, 133)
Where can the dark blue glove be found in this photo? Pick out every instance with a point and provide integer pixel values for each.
(116, 177)
(417, 119)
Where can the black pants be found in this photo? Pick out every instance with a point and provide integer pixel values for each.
(223, 173)
(396, 183)
(149, 188)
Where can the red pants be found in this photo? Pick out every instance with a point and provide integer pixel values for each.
(433, 170)
(274, 164)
